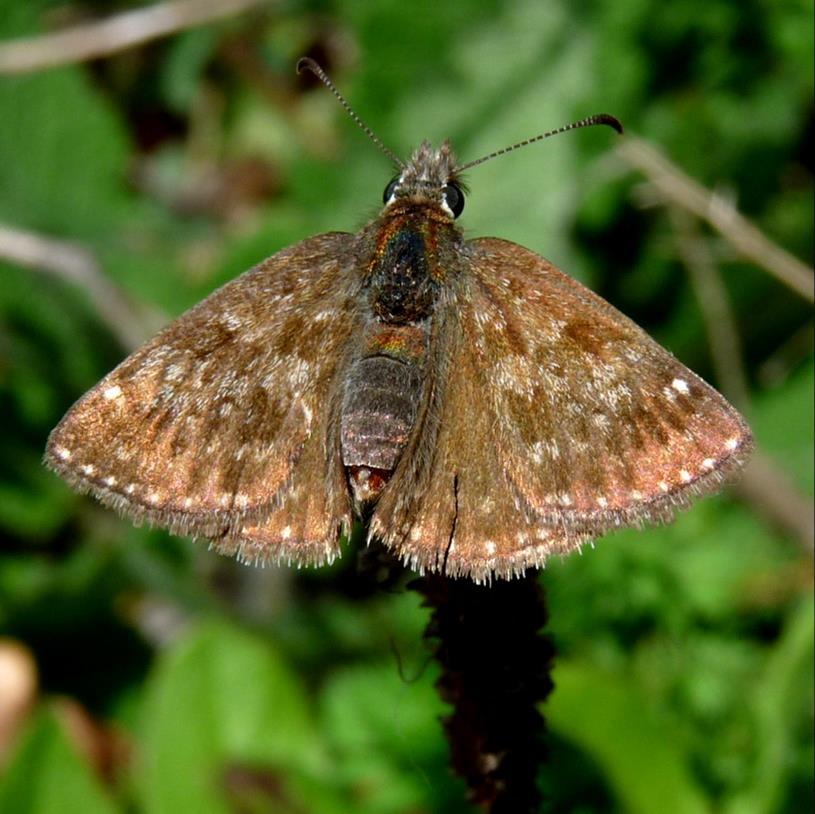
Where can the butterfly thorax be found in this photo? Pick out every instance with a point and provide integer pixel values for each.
(402, 282)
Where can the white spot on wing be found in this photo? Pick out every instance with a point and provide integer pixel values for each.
(490, 547)
(174, 373)
(685, 476)
(231, 321)
(62, 453)
(731, 443)
(681, 386)
(88, 469)
(602, 502)
(113, 392)
(708, 463)
(286, 532)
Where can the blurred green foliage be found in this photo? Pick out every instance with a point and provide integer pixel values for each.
(684, 681)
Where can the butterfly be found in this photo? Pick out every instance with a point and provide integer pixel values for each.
(477, 407)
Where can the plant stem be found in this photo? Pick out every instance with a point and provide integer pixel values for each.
(495, 673)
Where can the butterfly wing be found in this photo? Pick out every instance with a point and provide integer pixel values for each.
(314, 510)
(559, 419)
(203, 429)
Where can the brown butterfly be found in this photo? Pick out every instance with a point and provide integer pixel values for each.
(479, 408)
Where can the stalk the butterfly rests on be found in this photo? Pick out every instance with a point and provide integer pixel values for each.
(480, 409)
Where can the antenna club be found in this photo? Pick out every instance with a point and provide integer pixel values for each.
(590, 121)
(308, 64)
(611, 121)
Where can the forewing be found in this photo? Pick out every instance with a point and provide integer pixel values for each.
(597, 424)
(552, 419)
(200, 430)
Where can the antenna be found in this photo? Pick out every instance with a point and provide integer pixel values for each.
(308, 64)
(599, 118)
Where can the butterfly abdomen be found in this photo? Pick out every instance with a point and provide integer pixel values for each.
(381, 399)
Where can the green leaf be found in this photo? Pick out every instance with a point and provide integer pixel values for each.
(62, 173)
(781, 702)
(784, 424)
(46, 776)
(385, 730)
(608, 716)
(222, 698)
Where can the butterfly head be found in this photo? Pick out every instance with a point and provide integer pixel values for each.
(429, 177)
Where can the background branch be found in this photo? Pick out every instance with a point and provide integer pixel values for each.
(102, 38)
(720, 323)
(675, 187)
(771, 492)
(129, 323)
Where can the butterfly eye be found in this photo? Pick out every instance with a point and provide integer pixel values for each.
(390, 189)
(454, 198)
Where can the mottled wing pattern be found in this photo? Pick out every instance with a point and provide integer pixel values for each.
(314, 511)
(594, 417)
(206, 427)
(557, 420)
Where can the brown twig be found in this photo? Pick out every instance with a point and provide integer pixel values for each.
(675, 187)
(720, 323)
(769, 489)
(797, 347)
(102, 38)
(129, 323)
